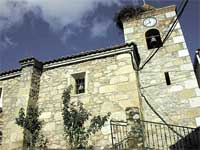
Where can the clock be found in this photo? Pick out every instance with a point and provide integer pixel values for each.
(150, 21)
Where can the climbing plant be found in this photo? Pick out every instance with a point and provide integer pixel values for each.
(75, 116)
(32, 128)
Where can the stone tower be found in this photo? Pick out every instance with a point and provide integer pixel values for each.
(168, 81)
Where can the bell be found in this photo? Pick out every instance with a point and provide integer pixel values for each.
(153, 41)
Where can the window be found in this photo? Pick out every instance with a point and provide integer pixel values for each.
(79, 82)
(153, 39)
(1, 99)
(80, 85)
(1, 137)
(167, 78)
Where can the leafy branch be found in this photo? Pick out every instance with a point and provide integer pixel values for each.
(32, 127)
(75, 117)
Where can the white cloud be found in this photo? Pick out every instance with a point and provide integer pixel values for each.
(9, 41)
(99, 29)
(59, 14)
(6, 41)
(66, 34)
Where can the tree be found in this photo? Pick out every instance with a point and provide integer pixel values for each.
(75, 117)
(32, 128)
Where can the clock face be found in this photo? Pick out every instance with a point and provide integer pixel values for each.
(150, 22)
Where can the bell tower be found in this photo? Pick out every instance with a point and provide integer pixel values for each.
(167, 81)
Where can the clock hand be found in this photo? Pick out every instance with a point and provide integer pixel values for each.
(149, 21)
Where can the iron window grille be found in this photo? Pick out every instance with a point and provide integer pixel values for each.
(80, 85)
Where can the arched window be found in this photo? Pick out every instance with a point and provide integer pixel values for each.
(153, 39)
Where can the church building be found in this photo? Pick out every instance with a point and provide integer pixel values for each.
(108, 80)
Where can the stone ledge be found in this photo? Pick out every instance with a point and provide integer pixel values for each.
(31, 62)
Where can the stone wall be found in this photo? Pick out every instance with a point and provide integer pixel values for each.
(179, 102)
(111, 86)
(12, 137)
(18, 92)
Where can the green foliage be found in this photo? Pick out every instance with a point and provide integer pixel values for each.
(32, 126)
(75, 117)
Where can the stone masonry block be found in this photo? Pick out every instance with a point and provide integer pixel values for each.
(195, 102)
(119, 115)
(124, 70)
(178, 26)
(170, 14)
(197, 90)
(122, 56)
(50, 126)
(178, 39)
(183, 53)
(128, 30)
(106, 129)
(45, 115)
(118, 79)
(197, 121)
(176, 88)
(187, 67)
(107, 89)
(189, 84)
(184, 45)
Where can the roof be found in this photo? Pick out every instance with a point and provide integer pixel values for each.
(63, 58)
(5, 73)
(85, 53)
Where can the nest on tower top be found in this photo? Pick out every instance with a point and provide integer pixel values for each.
(129, 11)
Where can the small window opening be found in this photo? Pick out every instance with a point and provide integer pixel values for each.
(1, 137)
(153, 39)
(1, 99)
(167, 78)
(80, 85)
(79, 82)
(0, 92)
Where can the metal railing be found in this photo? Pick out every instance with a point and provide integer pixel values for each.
(157, 136)
(160, 136)
(119, 134)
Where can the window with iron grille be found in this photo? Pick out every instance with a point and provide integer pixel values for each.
(79, 83)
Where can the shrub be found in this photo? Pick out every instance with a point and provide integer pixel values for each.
(75, 117)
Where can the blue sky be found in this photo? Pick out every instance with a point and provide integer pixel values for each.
(48, 29)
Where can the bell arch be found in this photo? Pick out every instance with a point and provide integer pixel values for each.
(153, 39)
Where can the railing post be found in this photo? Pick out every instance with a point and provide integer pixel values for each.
(135, 129)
